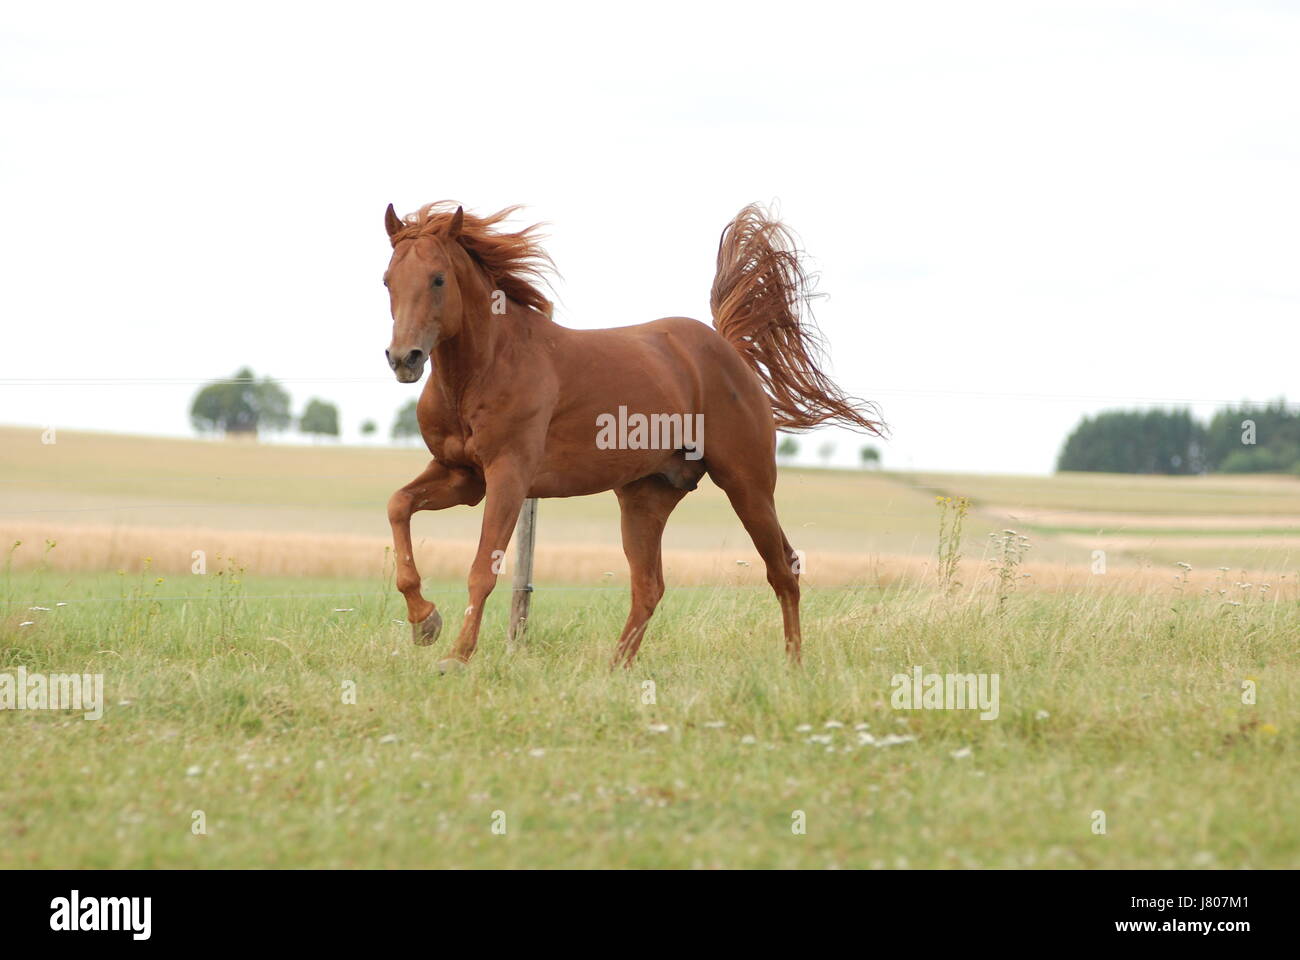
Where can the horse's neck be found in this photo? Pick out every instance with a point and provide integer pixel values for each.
(473, 354)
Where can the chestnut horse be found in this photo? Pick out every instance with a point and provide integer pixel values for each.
(515, 403)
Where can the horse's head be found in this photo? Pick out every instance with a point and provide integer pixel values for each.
(423, 293)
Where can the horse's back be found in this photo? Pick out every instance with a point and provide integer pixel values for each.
(684, 365)
(691, 343)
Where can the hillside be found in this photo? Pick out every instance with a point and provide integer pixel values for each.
(109, 500)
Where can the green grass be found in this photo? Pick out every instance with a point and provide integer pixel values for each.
(232, 704)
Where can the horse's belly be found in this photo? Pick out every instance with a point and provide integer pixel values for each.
(582, 473)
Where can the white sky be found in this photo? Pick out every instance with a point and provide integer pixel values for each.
(1022, 211)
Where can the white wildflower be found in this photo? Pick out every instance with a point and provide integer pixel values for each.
(890, 740)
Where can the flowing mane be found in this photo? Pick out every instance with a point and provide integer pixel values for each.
(514, 262)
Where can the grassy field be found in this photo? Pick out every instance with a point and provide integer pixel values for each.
(1128, 705)
(229, 695)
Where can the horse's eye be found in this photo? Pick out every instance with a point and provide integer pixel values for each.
(438, 280)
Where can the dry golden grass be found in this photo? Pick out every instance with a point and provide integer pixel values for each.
(318, 511)
(1117, 522)
(170, 551)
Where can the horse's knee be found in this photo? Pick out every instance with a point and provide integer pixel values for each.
(399, 507)
(481, 583)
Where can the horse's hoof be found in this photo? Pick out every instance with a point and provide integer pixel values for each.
(451, 665)
(427, 630)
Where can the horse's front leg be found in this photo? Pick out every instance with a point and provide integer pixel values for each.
(507, 486)
(437, 488)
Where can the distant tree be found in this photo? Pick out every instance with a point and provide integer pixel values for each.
(1136, 441)
(788, 448)
(369, 428)
(241, 405)
(870, 456)
(406, 426)
(826, 451)
(1255, 439)
(320, 419)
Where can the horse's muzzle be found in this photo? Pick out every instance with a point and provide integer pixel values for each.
(407, 366)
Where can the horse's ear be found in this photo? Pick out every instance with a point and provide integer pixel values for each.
(457, 221)
(392, 222)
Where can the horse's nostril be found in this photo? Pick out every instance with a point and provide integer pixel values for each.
(389, 357)
(414, 358)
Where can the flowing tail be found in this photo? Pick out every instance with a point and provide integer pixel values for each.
(761, 306)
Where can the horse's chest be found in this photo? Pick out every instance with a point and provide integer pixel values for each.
(456, 449)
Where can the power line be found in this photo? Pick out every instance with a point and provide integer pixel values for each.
(170, 381)
(215, 504)
(1092, 398)
(878, 391)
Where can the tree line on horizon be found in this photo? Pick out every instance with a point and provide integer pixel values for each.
(788, 448)
(244, 405)
(1244, 438)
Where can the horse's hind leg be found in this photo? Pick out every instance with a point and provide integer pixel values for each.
(751, 498)
(436, 489)
(645, 505)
